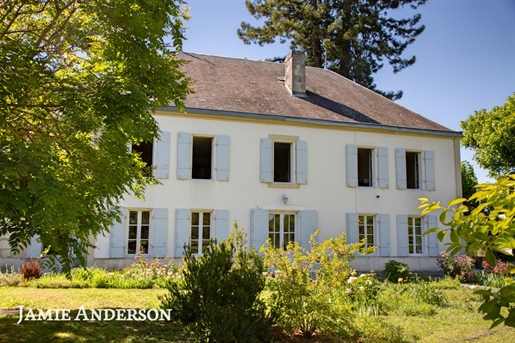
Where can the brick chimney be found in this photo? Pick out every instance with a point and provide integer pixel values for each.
(295, 73)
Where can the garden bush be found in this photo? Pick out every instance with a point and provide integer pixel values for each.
(459, 266)
(397, 272)
(31, 269)
(10, 277)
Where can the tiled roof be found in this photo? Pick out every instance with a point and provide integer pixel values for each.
(256, 87)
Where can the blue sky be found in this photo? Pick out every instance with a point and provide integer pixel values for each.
(465, 57)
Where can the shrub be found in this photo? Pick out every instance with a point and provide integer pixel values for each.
(500, 268)
(31, 269)
(219, 292)
(397, 272)
(362, 292)
(10, 277)
(458, 266)
(494, 280)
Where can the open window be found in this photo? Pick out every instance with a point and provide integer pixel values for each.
(412, 170)
(282, 162)
(365, 175)
(202, 156)
(145, 150)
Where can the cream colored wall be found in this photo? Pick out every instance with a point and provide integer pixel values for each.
(325, 192)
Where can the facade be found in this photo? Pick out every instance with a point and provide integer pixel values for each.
(284, 150)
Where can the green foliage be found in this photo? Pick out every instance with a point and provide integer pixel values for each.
(219, 292)
(492, 136)
(468, 183)
(350, 37)
(362, 292)
(458, 266)
(80, 80)
(489, 279)
(490, 232)
(397, 272)
(10, 277)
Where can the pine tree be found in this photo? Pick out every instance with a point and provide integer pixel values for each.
(350, 37)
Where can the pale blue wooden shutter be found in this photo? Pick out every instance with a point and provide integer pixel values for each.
(163, 155)
(402, 235)
(222, 157)
(302, 162)
(34, 248)
(429, 164)
(351, 162)
(400, 168)
(432, 240)
(352, 228)
(160, 232)
(308, 224)
(384, 235)
(221, 225)
(117, 236)
(265, 160)
(184, 155)
(182, 230)
(258, 227)
(382, 161)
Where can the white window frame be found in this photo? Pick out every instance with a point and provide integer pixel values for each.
(139, 224)
(281, 232)
(411, 231)
(213, 156)
(418, 168)
(292, 161)
(363, 222)
(200, 227)
(372, 166)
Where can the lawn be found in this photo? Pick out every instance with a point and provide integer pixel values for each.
(458, 322)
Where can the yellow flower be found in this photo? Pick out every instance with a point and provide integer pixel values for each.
(400, 280)
(352, 279)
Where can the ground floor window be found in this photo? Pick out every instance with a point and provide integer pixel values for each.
(366, 230)
(281, 229)
(139, 232)
(200, 231)
(415, 235)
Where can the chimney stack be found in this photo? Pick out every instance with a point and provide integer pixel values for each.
(295, 73)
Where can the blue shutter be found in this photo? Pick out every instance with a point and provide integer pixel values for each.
(382, 161)
(117, 238)
(222, 157)
(352, 228)
(302, 162)
(160, 232)
(221, 225)
(402, 235)
(258, 227)
(163, 155)
(34, 248)
(384, 235)
(400, 168)
(351, 162)
(265, 163)
(183, 156)
(308, 224)
(182, 230)
(432, 240)
(429, 164)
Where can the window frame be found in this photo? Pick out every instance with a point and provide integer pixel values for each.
(291, 173)
(281, 232)
(413, 245)
(200, 224)
(139, 224)
(213, 152)
(417, 166)
(375, 235)
(371, 166)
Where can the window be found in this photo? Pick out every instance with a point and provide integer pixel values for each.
(282, 162)
(202, 158)
(414, 235)
(412, 170)
(281, 229)
(365, 167)
(366, 230)
(145, 150)
(139, 232)
(200, 231)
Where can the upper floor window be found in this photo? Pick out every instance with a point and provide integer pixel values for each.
(281, 229)
(366, 167)
(365, 175)
(415, 170)
(283, 159)
(412, 170)
(282, 162)
(202, 155)
(139, 232)
(145, 149)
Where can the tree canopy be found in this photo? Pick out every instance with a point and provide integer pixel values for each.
(351, 37)
(79, 80)
(492, 136)
(468, 183)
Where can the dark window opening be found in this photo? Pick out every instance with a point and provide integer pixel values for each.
(282, 162)
(145, 151)
(202, 156)
(365, 167)
(412, 170)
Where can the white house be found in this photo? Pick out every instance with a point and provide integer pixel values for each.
(285, 149)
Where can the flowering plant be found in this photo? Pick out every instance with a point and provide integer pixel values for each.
(459, 266)
(500, 267)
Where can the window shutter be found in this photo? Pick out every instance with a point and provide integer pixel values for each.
(384, 235)
(222, 157)
(182, 230)
(184, 156)
(429, 163)
(308, 224)
(258, 227)
(400, 168)
(34, 248)
(117, 246)
(382, 161)
(433, 242)
(163, 155)
(402, 235)
(160, 232)
(221, 225)
(302, 162)
(351, 161)
(265, 156)
(352, 228)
